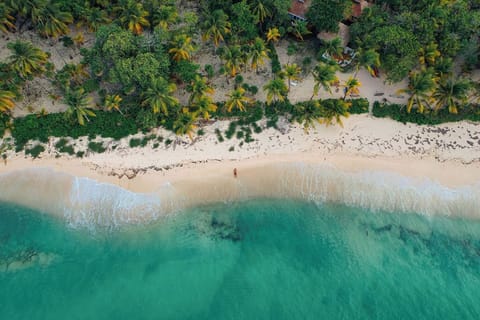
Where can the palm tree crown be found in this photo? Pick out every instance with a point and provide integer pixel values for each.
(292, 73)
(216, 27)
(159, 96)
(452, 93)
(237, 100)
(182, 48)
(324, 76)
(26, 59)
(420, 86)
(132, 15)
(276, 90)
(78, 103)
(6, 101)
(258, 53)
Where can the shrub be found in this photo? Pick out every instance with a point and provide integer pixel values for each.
(80, 154)
(96, 147)
(35, 151)
(134, 142)
(219, 135)
(359, 106)
(209, 70)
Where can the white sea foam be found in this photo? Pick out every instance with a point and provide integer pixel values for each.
(94, 204)
(377, 190)
(87, 203)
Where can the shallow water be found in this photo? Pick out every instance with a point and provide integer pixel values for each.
(258, 259)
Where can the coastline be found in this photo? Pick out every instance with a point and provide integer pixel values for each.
(363, 164)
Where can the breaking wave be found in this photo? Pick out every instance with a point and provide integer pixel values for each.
(87, 203)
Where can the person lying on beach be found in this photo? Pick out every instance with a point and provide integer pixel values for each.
(234, 172)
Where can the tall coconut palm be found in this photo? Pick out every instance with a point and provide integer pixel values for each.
(6, 101)
(132, 15)
(7, 21)
(351, 87)
(185, 124)
(324, 76)
(216, 26)
(78, 105)
(292, 73)
(164, 16)
(198, 88)
(29, 9)
(333, 47)
(181, 47)
(368, 59)
(258, 53)
(307, 113)
(203, 106)
(260, 11)
(112, 102)
(52, 21)
(158, 96)
(451, 93)
(334, 110)
(276, 90)
(27, 59)
(420, 86)
(94, 18)
(273, 35)
(232, 57)
(429, 54)
(237, 100)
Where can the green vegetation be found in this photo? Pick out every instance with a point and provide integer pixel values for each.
(144, 53)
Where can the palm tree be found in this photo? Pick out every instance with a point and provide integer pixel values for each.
(7, 21)
(292, 73)
(429, 54)
(112, 102)
(258, 52)
(351, 87)
(276, 90)
(324, 76)
(216, 27)
(164, 16)
(185, 124)
(132, 15)
(368, 59)
(203, 106)
(451, 93)
(78, 104)
(334, 110)
(237, 100)
(334, 47)
(420, 86)
(181, 47)
(26, 59)
(232, 56)
(299, 29)
(199, 87)
(307, 113)
(159, 97)
(52, 21)
(260, 11)
(273, 35)
(6, 101)
(94, 18)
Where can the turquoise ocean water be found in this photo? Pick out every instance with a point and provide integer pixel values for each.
(258, 259)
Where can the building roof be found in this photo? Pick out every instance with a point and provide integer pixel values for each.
(343, 33)
(299, 8)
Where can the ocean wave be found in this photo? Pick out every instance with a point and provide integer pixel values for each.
(95, 204)
(86, 203)
(377, 190)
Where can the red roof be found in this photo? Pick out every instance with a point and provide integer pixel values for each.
(299, 8)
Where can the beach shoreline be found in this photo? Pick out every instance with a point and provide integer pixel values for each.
(367, 154)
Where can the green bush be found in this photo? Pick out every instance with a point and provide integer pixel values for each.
(359, 106)
(35, 151)
(275, 62)
(135, 142)
(96, 147)
(106, 124)
(399, 113)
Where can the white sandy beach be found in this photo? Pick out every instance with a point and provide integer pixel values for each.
(374, 163)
